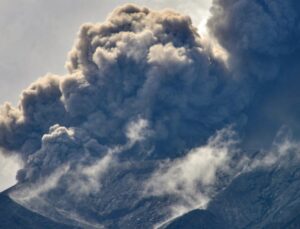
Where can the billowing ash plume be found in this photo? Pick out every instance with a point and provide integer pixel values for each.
(143, 87)
(262, 41)
(137, 64)
(258, 32)
(262, 27)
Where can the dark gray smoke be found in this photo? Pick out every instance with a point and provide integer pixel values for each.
(137, 64)
(262, 39)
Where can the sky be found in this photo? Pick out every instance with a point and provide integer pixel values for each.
(37, 35)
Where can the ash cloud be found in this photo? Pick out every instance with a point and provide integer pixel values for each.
(143, 87)
(257, 27)
(261, 39)
(138, 63)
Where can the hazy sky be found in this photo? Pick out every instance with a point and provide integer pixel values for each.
(36, 36)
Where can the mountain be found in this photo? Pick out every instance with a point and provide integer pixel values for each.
(263, 199)
(14, 216)
(118, 205)
(200, 219)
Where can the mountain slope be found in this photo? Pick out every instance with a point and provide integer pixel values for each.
(262, 199)
(14, 216)
(200, 219)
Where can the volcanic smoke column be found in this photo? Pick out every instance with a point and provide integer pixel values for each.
(141, 86)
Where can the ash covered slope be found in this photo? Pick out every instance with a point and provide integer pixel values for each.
(200, 219)
(264, 199)
(15, 216)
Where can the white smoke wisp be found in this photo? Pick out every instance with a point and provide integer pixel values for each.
(137, 130)
(195, 178)
(35, 190)
(284, 151)
(92, 175)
